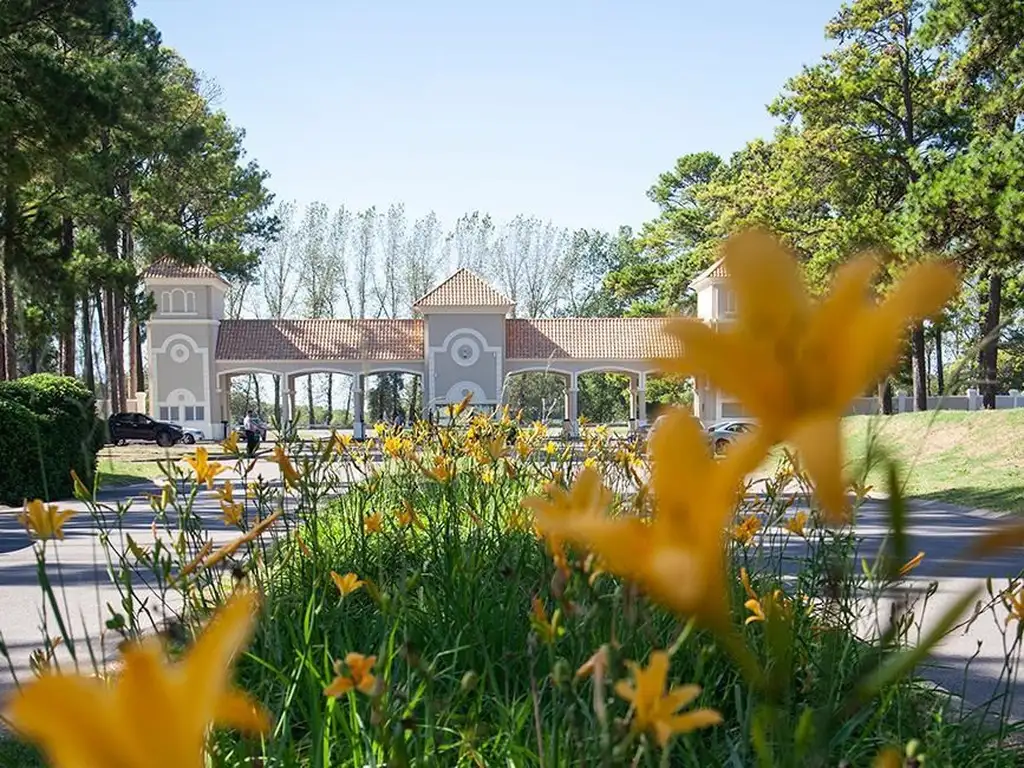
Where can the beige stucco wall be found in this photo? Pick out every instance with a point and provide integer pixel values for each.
(465, 354)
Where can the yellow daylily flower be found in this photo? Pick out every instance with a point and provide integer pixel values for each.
(655, 708)
(394, 446)
(796, 365)
(796, 523)
(443, 469)
(204, 469)
(230, 443)
(340, 441)
(373, 523)
(44, 521)
(409, 517)
(153, 714)
(232, 512)
(678, 557)
(288, 472)
(744, 532)
(226, 493)
(346, 584)
(359, 676)
(1013, 599)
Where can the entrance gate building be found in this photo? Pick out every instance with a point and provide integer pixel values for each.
(465, 339)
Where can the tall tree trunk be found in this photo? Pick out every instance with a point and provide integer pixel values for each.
(89, 368)
(940, 374)
(140, 384)
(309, 399)
(134, 361)
(989, 355)
(67, 334)
(8, 358)
(101, 321)
(259, 399)
(920, 367)
(885, 396)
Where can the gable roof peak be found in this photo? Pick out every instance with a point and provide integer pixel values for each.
(464, 288)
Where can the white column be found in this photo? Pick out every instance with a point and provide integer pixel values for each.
(632, 403)
(358, 428)
(1015, 398)
(641, 400)
(572, 405)
(286, 401)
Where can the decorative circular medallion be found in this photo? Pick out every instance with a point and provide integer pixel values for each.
(465, 351)
(459, 390)
(180, 353)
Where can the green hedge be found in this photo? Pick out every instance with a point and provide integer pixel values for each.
(48, 426)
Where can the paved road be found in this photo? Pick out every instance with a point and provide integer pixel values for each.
(941, 531)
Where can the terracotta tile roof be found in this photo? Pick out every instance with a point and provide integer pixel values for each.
(463, 289)
(374, 340)
(169, 268)
(588, 338)
(715, 271)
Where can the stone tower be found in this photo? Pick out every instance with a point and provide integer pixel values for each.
(181, 343)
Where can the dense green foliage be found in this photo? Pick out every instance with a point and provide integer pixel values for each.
(48, 427)
(111, 156)
(905, 138)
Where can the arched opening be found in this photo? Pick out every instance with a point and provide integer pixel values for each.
(392, 397)
(540, 395)
(666, 390)
(323, 399)
(604, 397)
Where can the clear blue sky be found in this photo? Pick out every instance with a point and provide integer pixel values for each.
(566, 110)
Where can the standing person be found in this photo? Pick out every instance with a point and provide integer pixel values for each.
(250, 434)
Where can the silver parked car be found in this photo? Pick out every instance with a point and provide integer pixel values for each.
(723, 433)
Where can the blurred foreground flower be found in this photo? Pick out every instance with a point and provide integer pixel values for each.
(44, 521)
(679, 557)
(655, 708)
(796, 365)
(154, 714)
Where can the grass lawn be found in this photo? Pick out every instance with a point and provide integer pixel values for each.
(115, 471)
(973, 459)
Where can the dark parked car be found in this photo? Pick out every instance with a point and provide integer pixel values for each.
(138, 426)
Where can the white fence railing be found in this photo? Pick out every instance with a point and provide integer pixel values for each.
(904, 403)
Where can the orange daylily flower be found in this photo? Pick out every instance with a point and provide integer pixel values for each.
(796, 365)
(346, 584)
(359, 676)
